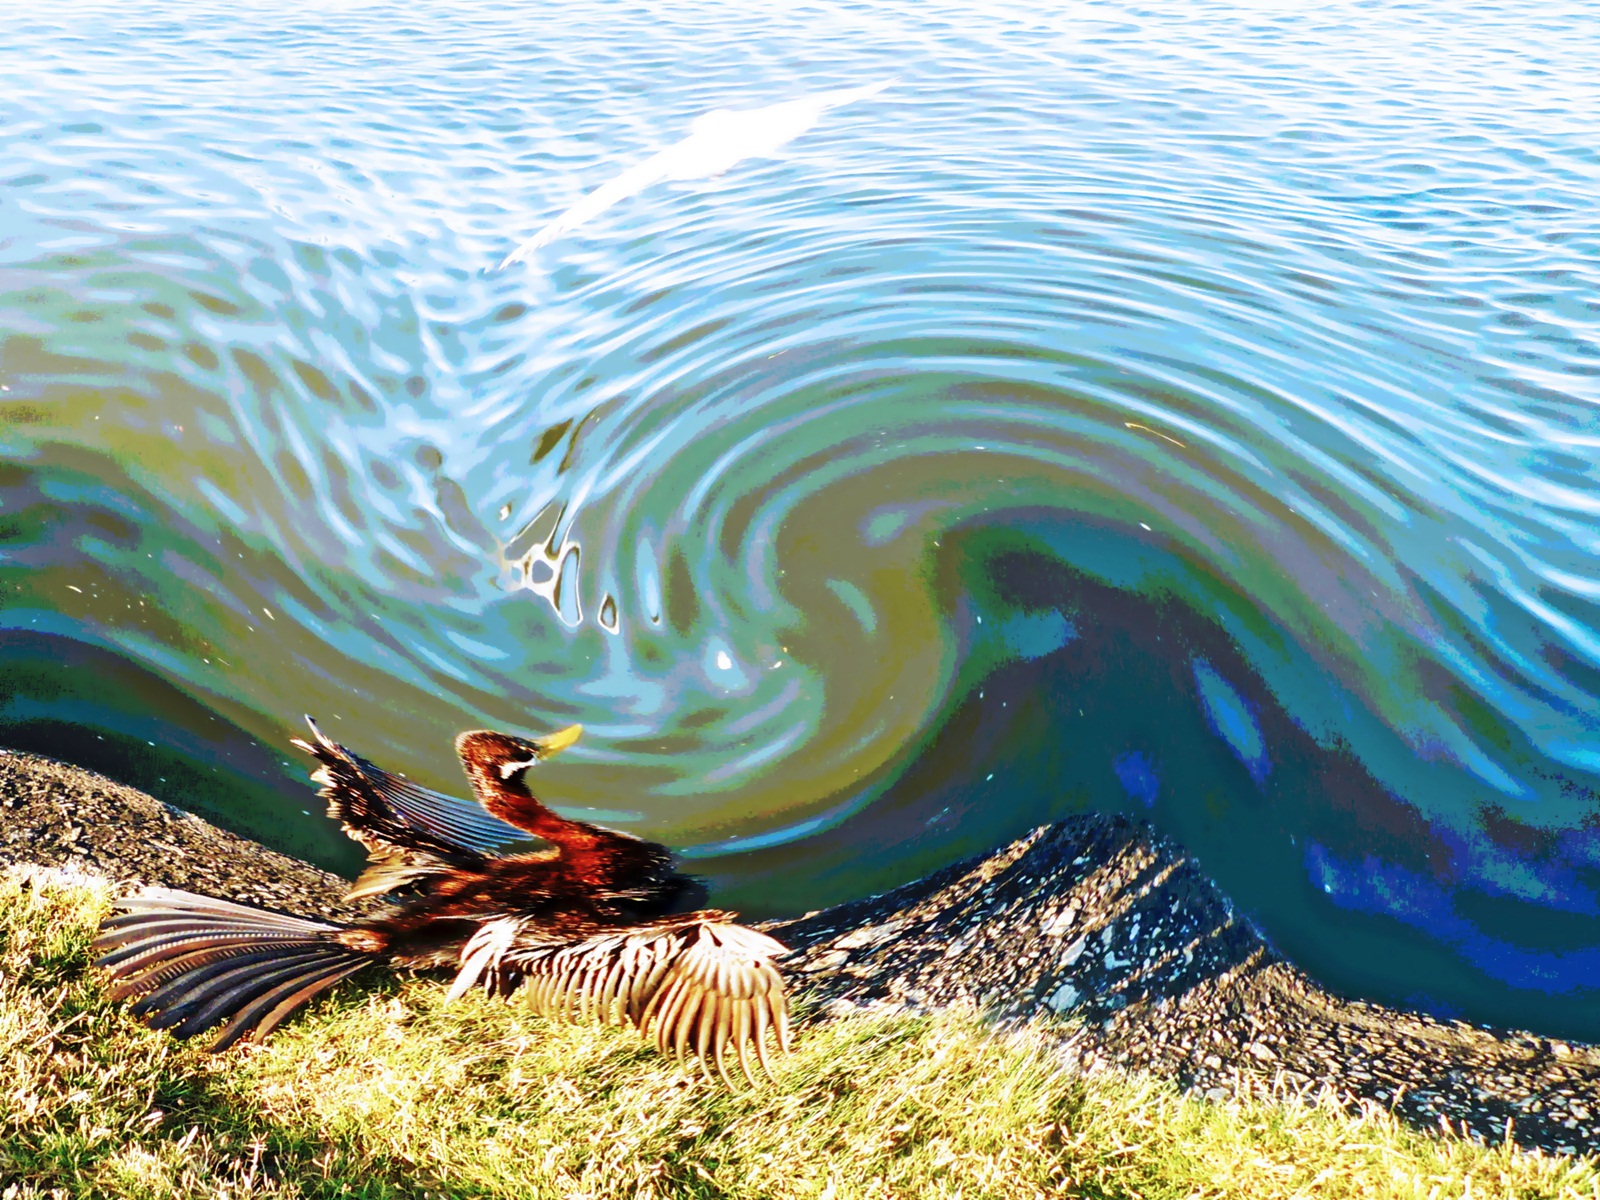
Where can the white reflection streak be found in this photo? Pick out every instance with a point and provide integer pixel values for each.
(717, 141)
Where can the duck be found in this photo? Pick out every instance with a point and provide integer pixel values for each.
(583, 922)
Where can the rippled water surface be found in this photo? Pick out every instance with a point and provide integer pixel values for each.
(1187, 409)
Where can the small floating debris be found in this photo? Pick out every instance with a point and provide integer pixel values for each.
(1157, 432)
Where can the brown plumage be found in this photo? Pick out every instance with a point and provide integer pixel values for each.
(587, 925)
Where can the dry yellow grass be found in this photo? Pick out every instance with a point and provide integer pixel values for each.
(387, 1092)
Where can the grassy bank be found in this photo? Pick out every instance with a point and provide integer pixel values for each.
(385, 1092)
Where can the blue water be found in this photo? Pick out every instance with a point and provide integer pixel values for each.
(1182, 409)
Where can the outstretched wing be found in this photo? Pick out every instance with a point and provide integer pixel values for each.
(694, 982)
(409, 831)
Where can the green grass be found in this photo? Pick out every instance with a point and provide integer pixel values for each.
(384, 1091)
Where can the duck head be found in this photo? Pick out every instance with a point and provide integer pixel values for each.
(503, 757)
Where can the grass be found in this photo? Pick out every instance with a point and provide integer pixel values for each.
(384, 1091)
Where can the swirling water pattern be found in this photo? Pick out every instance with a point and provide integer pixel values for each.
(1185, 408)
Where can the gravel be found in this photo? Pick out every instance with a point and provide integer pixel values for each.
(52, 814)
(1111, 941)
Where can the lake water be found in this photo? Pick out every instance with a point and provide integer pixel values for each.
(1186, 409)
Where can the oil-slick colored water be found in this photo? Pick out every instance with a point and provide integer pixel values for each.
(1186, 408)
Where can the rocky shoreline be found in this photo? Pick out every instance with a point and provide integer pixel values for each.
(1098, 920)
(56, 815)
(1111, 934)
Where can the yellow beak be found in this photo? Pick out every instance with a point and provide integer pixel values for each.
(559, 741)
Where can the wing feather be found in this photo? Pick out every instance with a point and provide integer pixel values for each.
(674, 1000)
(448, 816)
(409, 832)
(695, 983)
(483, 955)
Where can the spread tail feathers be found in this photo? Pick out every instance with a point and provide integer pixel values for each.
(195, 962)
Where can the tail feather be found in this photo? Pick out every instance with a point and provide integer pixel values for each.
(261, 1019)
(173, 901)
(145, 983)
(168, 928)
(187, 989)
(120, 944)
(229, 994)
(194, 962)
(146, 924)
(151, 962)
